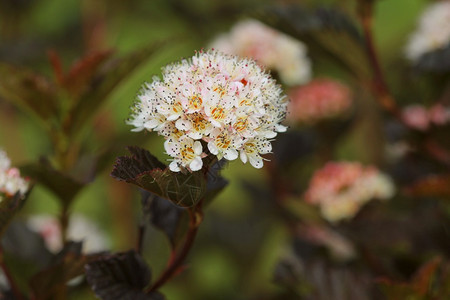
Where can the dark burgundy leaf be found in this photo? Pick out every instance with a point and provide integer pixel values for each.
(66, 265)
(164, 215)
(9, 206)
(146, 171)
(120, 276)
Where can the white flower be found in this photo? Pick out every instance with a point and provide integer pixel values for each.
(186, 152)
(10, 180)
(80, 229)
(227, 103)
(273, 49)
(433, 31)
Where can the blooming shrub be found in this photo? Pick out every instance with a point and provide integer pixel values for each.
(318, 100)
(270, 48)
(340, 189)
(226, 102)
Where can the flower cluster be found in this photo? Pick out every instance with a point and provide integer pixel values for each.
(274, 50)
(10, 180)
(320, 99)
(80, 229)
(342, 188)
(228, 103)
(421, 118)
(433, 32)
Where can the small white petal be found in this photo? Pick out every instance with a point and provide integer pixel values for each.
(173, 117)
(181, 124)
(212, 148)
(198, 149)
(243, 156)
(195, 135)
(256, 161)
(231, 154)
(196, 164)
(173, 166)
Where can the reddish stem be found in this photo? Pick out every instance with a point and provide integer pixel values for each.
(176, 262)
(379, 85)
(12, 284)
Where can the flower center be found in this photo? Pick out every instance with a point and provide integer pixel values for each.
(199, 123)
(187, 153)
(177, 108)
(218, 113)
(241, 124)
(195, 102)
(220, 90)
(222, 141)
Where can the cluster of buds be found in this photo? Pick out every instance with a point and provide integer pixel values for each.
(433, 32)
(271, 48)
(318, 100)
(10, 181)
(421, 118)
(223, 103)
(80, 229)
(340, 189)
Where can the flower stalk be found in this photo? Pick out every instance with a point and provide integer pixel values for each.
(176, 259)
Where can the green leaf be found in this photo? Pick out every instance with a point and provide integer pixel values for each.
(146, 171)
(9, 206)
(120, 276)
(31, 92)
(108, 77)
(62, 185)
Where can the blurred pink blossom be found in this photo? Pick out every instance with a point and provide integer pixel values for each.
(319, 99)
(419, 117)
(80, 229)
(340, 189)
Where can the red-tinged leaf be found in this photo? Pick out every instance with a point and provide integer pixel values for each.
(120, 276)
(102, 83)
(31, 92)
(80, 76)
(419, 287)
(430, 186)
(55, 61)
(421, 281)
(146, 171)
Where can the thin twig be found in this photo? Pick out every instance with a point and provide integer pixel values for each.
(175, 265)
(379, 85)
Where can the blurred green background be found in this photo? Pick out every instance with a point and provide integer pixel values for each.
(219, 267)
